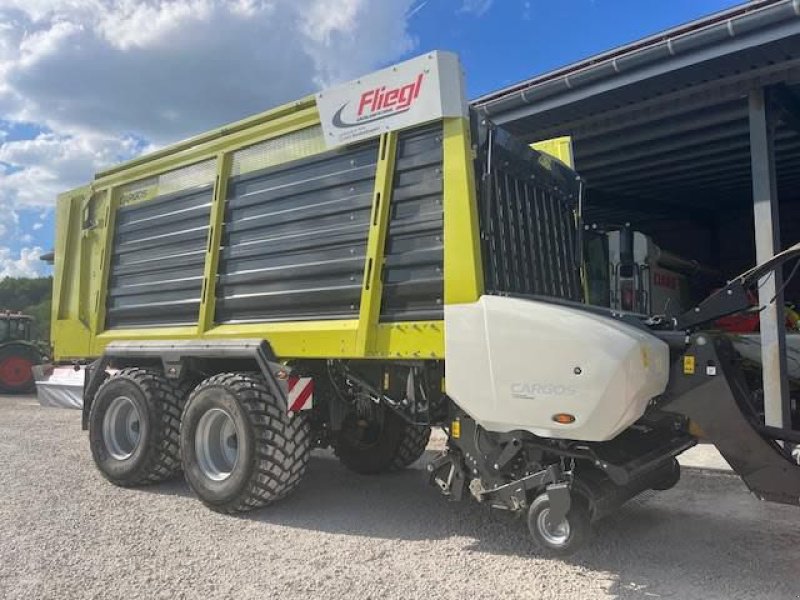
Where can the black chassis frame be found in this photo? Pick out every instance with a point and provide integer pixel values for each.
(708, 387)
(185, 360)
(182, 359)
(506, 470)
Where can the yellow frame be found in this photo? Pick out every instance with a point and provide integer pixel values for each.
(364, 337)
(372, 286)
(208, 294)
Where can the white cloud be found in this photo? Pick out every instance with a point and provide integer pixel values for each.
(476, 7)
(51, 163)
(100, 76)
(26, 263)
(168, 68)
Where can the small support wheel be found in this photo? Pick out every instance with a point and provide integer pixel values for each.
(563, 538)
(671, 479)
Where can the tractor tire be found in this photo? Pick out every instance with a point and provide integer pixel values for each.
(16, 361)
(370, 447)
(134, 427)
(240, 448)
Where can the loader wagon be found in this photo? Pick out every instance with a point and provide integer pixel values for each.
(354, 268)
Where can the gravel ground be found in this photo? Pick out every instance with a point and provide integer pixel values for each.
(66, 533)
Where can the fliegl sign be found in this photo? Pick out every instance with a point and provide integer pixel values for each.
(417, 91)
(381, 103)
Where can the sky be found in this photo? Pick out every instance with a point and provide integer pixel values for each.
(85, 84)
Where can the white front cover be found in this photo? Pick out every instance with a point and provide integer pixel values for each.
(515, 363)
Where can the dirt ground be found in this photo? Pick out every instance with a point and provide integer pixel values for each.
(66, 533)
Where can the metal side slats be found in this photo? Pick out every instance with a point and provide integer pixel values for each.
(295, 239)
(157, 263)
(413, 284)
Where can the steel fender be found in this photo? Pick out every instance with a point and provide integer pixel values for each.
(514, 363)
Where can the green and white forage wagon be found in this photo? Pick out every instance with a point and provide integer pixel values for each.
(354, 268)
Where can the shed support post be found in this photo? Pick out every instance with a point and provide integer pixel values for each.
(767, 237)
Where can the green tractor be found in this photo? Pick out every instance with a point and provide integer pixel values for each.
(18, 353)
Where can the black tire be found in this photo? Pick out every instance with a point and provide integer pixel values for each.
(155, 457)
(374, 446)
(671, 479)
(272, 446)
(576, 534)
(413, 442)
(16, 361)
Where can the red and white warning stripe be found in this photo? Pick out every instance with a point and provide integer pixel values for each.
(301, 393)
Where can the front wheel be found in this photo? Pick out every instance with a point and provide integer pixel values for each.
(240, 448)
(563, 538)
(380, 442)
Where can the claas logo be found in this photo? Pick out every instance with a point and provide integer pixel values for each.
(381, 103)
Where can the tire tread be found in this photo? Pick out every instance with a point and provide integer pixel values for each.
(413, 443)
(283, 442)
(165, 400)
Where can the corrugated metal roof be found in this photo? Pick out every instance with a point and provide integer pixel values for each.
(660, 126)
(727, 23)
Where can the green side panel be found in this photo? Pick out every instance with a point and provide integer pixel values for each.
(295, 238)
(156, 272)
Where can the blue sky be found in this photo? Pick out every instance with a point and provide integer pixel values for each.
(514, 40)
(79, 90)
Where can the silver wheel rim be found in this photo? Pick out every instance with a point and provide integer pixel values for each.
(122, 428)
(556, 535)
(216, 444)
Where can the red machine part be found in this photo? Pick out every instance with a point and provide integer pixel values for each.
(748, 322)
(15, 373)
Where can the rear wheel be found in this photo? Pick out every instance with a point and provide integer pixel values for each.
(379, 443)
(134, 427)
(16, 362)
(240, 448)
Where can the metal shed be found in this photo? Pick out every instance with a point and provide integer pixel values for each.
(693, 136)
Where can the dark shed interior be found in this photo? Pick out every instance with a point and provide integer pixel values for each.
(661, 130)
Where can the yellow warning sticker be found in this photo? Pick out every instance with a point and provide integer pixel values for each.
(455, 429)
(688, 365)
